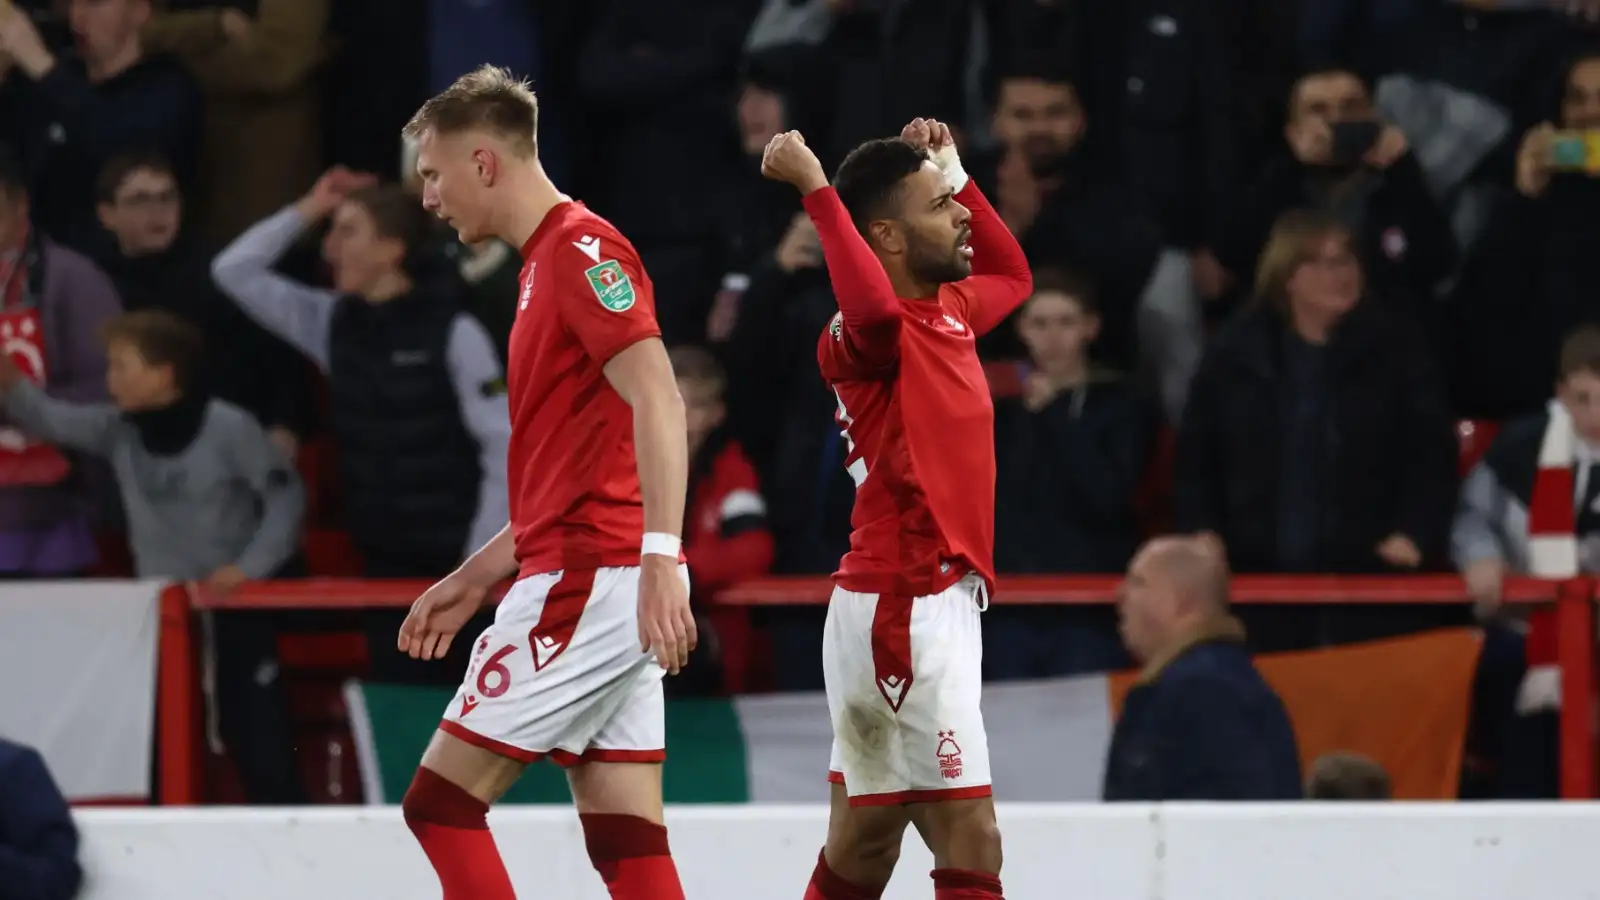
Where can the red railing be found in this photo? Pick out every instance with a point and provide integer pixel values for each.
(179, 711)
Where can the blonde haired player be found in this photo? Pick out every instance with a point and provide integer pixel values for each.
(571, 668)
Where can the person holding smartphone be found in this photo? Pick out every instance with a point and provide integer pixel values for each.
(1343, 158)
(1530, 277)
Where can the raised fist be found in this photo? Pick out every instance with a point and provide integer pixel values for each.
(788, 159)
(931, 135)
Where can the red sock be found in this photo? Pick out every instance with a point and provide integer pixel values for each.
(965, 884)
(453, 828)
(827, 885)
(632, 856)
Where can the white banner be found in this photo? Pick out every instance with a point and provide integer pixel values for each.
(78, 681)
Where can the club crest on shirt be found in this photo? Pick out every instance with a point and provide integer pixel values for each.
(611, 286)
(836, 327)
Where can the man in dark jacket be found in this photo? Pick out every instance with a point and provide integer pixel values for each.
(1201, 723)
(75, 114)
(38, 841)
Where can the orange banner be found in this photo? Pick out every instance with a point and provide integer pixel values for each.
(1404, 702)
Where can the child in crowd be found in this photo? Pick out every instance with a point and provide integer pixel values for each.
(208, 496)
(209, 499)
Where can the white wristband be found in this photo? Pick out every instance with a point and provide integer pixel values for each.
(659, 544)
(949, 162)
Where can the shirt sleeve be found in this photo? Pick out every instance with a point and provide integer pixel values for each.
(605, 298)
(283, 499)
(79, 426)
(1001, 278)
(299, 314)
(481, 391)
(864, 339)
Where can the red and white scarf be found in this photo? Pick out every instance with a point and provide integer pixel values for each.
(1552, 553)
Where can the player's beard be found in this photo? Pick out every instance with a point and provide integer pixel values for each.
(942, 263)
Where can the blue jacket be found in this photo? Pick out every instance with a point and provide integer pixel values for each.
(1204, 726)
(38, 840)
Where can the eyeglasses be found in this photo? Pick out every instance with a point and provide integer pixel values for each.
(147, 199)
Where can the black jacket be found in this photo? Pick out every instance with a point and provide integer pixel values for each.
(783, 412)
(1391, 451)
(1157, 84)
(1405, 240)
(408, 465)
(1528, 281)
(1066, 479)
(38, 840)
(1206, 727)
(69, 129)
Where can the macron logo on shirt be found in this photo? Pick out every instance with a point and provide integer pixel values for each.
(590, 245)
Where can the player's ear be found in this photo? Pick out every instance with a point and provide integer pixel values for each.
(888, 235)
(488, 166)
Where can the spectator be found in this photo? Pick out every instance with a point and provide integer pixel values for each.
(661, 79)
(53, 303)
(726, 537)
(1157, 80)
(1529, 281)
(883, 65)
(262, 140)
(1201, 723)
(418, 408)
(1347, 776)
(1343, 160)
(1316, 438)
(774, 302)
(209, 499)
(775, 95)
(1069, 453)
(140, 205)
(1066, 211)
(76, 114)
(1539, 465)
(38, 840)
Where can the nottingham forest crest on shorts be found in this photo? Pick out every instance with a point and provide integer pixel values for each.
(611, 285)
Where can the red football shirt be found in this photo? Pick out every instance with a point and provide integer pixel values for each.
(914, 405)
(572, 473)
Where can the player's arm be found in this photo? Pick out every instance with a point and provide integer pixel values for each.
(481, 395)
(642, 376)
(867, 303)
(607, 303)
(1001, 278)
(493, 563)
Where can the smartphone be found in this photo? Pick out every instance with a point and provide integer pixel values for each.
(1576, 151)
(1352, 140)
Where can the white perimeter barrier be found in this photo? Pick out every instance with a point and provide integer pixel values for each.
(1307, 851)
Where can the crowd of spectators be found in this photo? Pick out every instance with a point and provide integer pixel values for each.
(1281, 249)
